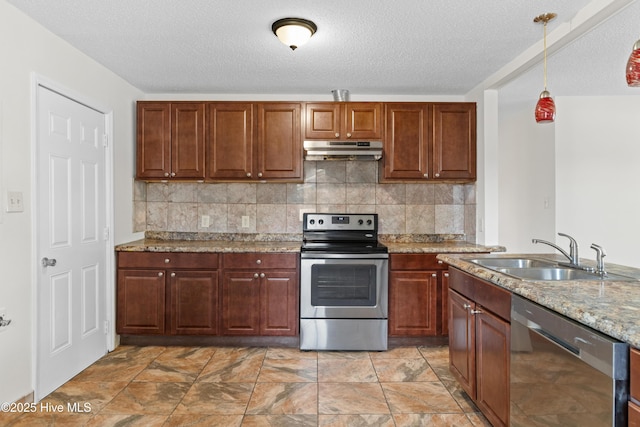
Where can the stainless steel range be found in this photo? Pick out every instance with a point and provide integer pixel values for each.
(343, 283)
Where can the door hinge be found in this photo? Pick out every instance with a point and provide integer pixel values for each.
(106, 327)
(105, 140)
(105, 233)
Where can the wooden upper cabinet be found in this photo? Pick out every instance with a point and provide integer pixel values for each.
(230, 140)
(279, 141)
(170, 140)
(454, 141)
(435, 141)
(343, 120)
(406, 145)
(247, 141)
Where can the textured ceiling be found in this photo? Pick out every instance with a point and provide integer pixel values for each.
(406, 47)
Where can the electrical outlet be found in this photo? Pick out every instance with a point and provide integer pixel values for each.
(205, 221)
(14, 201)
(245, 221)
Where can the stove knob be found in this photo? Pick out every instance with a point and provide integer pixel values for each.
(369, 222)
(360, 222)
(321, 221)
(312, 221)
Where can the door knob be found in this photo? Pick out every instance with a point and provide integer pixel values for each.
(46, 262)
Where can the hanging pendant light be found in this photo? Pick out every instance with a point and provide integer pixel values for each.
(633, 66)
(545, 108)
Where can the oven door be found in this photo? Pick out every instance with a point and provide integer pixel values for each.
(337, 287)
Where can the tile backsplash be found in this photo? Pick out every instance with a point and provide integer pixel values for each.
(329, 186)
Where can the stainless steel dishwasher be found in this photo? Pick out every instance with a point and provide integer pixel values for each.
(564, 373)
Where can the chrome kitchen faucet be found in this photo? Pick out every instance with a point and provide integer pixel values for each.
(572, 256)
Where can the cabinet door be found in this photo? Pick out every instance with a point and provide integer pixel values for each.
(240, 304)
(406, 145)
(187, 140)
(444, 304)
(194, 302)
(141, 302)
(229, 141)
(153, 147)
(279, 303)
(493, 337)
(279, 142)
(462, 345)
(363, 120)
(454, 141)
(634, 415)
(323, 120)
(413, 297)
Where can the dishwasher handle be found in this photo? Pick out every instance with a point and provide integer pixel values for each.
(561, 343)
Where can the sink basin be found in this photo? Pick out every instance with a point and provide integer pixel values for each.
(559, 273)
(494, 263)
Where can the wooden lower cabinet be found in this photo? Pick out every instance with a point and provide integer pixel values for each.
(167, 293)
(634, 388)
(259, 294)
(418, 285)
(479, 343)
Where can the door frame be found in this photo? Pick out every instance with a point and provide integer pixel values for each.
(110, 336)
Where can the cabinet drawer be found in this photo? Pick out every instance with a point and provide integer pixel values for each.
(634, 377)
(167, 260)
(260, 260)
(486, 294)
(415, 262)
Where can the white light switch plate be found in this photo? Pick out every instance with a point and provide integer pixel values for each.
(14, 201)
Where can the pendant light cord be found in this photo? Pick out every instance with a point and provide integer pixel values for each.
(545, 55)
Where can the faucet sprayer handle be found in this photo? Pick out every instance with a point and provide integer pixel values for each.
(600, 254)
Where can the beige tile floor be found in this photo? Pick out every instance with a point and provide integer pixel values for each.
(234, 386)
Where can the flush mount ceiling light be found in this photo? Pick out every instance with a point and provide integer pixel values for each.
(633, 66)
(545, 108)
(294, 32)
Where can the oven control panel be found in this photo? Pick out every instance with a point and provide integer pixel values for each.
(327, 222)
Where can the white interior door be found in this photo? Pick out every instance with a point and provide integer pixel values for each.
(72, 245)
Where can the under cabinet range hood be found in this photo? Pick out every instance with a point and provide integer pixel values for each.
(342, 150)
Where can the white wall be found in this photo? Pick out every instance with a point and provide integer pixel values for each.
(27, 48)
(597, 181)
(526, 164)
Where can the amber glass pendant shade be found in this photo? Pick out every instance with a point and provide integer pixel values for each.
(545, 108)
(633, 66)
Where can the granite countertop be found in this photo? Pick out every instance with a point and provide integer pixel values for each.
(611, 307)
(236, 244)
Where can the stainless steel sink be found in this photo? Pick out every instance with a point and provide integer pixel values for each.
(541, 269)
(560, 273)
(494, 263)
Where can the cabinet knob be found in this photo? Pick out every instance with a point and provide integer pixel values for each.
(466, 306)
(248, 174)
(476, 311)
(348, 134)
(337, 135)
(166, 174)
(446, 274)
(167, 260)
(160, 274)
(259, 174)
(437, 175)
(173, 274)
(258, 261)
(434, 275)
(440, 261)
(173, 174)
(426, 175)
(256, 275)
(262, 274)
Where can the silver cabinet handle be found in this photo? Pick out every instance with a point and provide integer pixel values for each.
(466, 306)
(256, 275)
(173, 274)
(261, 274)
(160, 274)
(167, 260)
(46, 262)
(476, 311)
(259, 261)
(259, 174)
